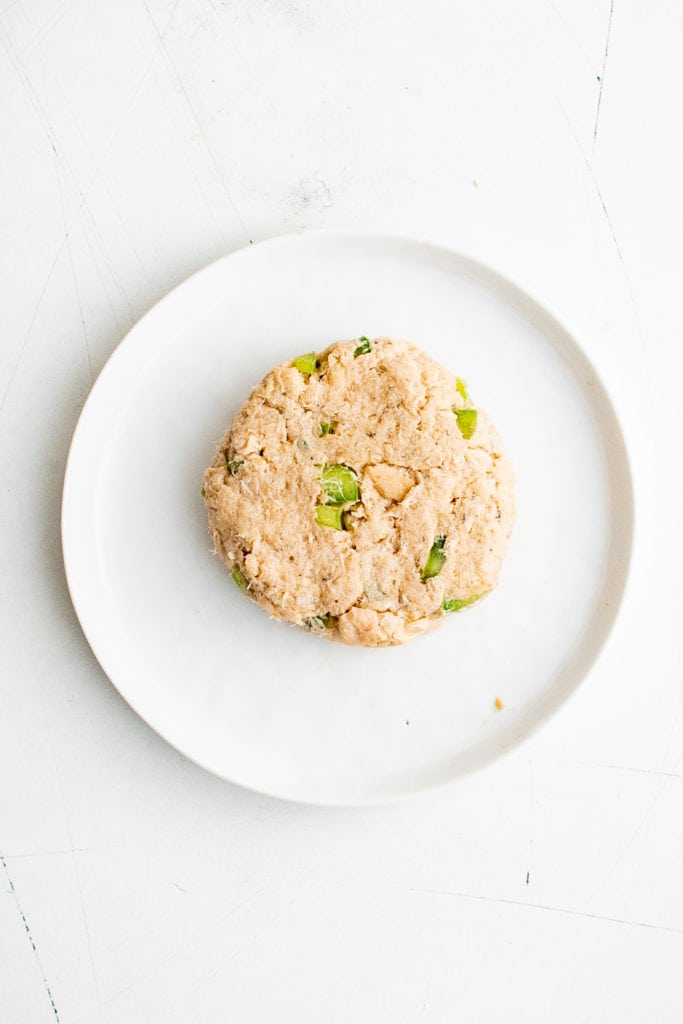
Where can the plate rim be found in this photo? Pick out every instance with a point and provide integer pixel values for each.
(481, 266)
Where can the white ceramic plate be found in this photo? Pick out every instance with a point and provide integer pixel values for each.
(260, 702)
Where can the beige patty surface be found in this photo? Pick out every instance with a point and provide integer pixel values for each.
(423, 486)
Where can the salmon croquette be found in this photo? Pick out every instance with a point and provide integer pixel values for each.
(360, 494)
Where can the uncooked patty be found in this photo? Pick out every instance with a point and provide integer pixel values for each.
(361, 495)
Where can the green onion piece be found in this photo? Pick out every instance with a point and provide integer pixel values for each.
(318, 623)
(364, 346)
(306, 363)
(467, 421)
(461, 388)
(436, 559)
(329, 515)
(303, 444)
(234, 466)
(203, 493)
(454, 604)
(328, 428)
(239, 579)
(340, 484)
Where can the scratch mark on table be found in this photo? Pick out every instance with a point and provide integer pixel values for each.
(66, 233)
(351, 23)
(255, 81)
(70, 177)
(209, 209)
(98, 175)
(644, 822)
(675, 719)
(62, 165)
(80, 196)
(572, 35)
(77, 292)
(183, 91)
(261, 965)
(429, 980)
(29, 329)
(67, 823)
(80, 203)
(534, 906)
(664, 775)
(200, 933)
(29, 936)
(70, 250)
(610, 226)
(85, 192)
(65, 851)
(621, 768)
(602, 74)
(46, 28)
(644, 825)
(71, 181)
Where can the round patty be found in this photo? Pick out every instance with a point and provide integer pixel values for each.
(360, 494)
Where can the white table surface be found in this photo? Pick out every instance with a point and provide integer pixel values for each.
(144, 138)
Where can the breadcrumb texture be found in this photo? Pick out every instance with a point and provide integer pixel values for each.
(392, 412)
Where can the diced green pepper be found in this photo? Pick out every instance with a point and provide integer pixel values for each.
(436, 560)
(329, 515)
(454, 604)
(363, 348)
(328, 428)
(203, 492)
(467, 421)
(461, 388)
(340, 484)
(306, 363)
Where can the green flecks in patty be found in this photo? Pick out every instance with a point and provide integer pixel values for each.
(234, 465)
(454, 604)
(239, 579)
(306, 363)
(340, 484)
(364, 347)
(436, 559)
(329, 515)
(461, 388)
(467, 421)
(319, 623)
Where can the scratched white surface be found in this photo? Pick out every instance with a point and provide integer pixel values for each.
(143, 138)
